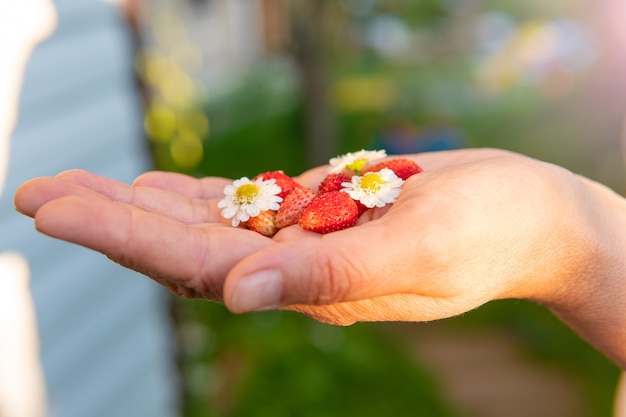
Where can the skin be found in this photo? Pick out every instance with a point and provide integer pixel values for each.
(477, 225)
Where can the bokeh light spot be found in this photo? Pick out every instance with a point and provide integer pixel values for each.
(187, 150)
(160, 122)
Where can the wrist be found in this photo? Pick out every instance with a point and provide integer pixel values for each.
(592, 297)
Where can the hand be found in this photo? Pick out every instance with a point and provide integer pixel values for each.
(173, 234)
(475, 226)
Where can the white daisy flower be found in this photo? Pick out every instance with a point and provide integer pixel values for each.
(354, 161)
(374, 189)
(245, 198)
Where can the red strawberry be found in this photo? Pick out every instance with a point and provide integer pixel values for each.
(284, 181)
(328, 212)
(264, 223)
(332, 182)
(402, 167)
(362, 207)
(292, 206)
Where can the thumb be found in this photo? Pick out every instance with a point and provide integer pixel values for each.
(349, 265)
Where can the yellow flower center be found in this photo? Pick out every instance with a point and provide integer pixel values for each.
(371, 183)
(357, 165)
(246, 193)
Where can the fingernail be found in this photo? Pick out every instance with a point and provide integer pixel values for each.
(258, 292)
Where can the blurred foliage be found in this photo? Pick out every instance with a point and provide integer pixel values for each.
(547, 340)
(408, 76)
(277, 364)
(255, 125)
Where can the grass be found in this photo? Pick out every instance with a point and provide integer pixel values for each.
(277, 364)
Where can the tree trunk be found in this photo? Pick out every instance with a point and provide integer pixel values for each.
(309, 53)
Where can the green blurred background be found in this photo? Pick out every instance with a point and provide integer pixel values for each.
(235, 88)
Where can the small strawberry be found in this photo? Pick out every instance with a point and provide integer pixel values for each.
(292, 206)
(284, 181)
(329, 212)
(264, 223)
(362, 207)
(402, 167)
(332, 182)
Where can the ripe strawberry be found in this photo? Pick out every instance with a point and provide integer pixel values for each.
(328, 212)
(332, 182)
(292, 206)
(284, 181)
(362, 207)
(264, 223)
(402, 167)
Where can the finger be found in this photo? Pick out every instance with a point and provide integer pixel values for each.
(190, 260)
(203, 188)
(31, 195)
(430, 161)
(312, 177)
(371, 260)
(181, 207)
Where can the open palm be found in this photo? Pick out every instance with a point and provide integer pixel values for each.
(463, 232)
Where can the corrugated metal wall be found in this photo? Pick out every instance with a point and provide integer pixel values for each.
(105, 337)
